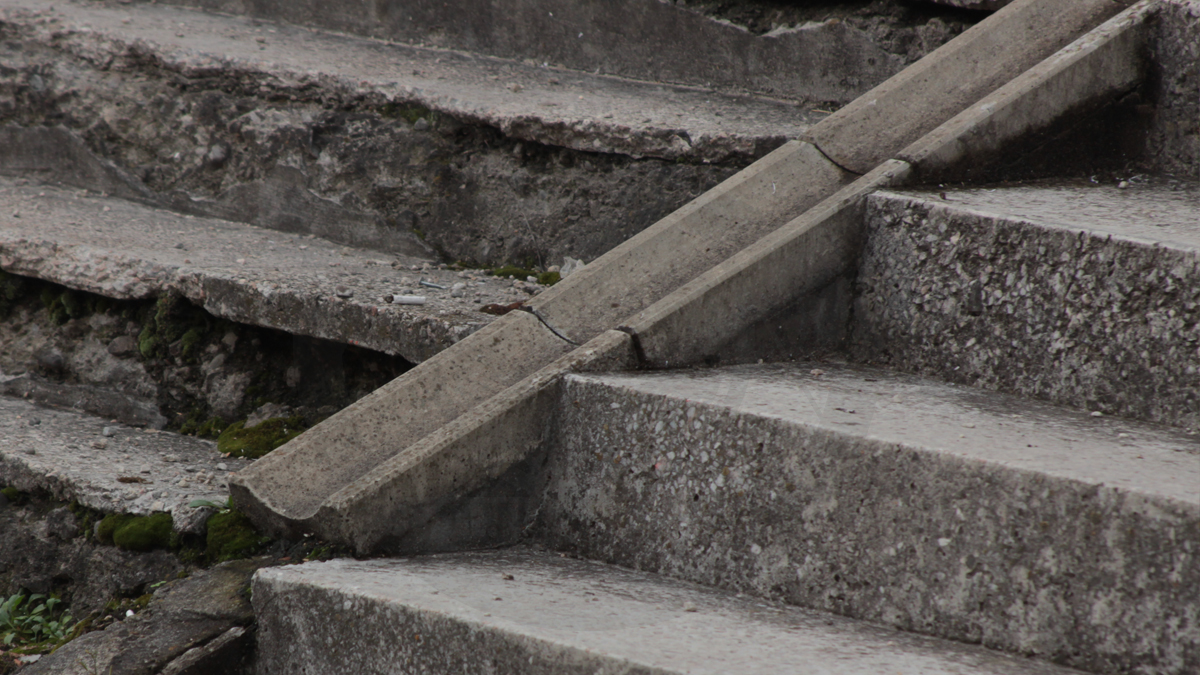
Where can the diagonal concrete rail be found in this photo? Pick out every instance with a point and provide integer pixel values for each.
(446, 455)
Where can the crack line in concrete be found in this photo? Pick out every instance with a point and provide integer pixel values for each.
(526, 308)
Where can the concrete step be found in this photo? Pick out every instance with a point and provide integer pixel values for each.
(935, 508)
(533, 612)
(822, 54)
(111, 467)
(1081, 293)
(362, 141)
(301, 285)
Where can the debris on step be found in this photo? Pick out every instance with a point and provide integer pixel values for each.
(128, 470)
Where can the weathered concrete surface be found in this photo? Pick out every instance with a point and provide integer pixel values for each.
(1091, 289)
(211, 607)
(934, 508)
(302, 285)
(527, 102)
(375, 163)
(639, 39)
(793, 263)
(687, 243)
(1174, 138)
(628, 279)
(44, 549)
(68, 455)
(532, 612)
(1087, 73)
(903, 109)
(284, 490)
(473, 482)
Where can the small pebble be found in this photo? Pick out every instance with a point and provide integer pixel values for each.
(34, 422)
(690, 607)
(100, 444)
(223, 466)
(343, 292)
(108, 432)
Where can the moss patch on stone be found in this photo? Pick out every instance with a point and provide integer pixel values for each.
(13, 495)
(136, 533)
(258, 440)
(231, 536)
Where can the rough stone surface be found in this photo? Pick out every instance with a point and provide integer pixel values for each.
(819, 60)
(1077, 293)
(937, 509)
(530, 612)
(43, 549)
(122, 249)
(1174, 139)
(67, 455)
(492, 162)
(183, 615)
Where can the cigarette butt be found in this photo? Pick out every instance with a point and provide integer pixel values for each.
(405, 299)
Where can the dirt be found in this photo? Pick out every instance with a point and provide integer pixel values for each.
(908, 29)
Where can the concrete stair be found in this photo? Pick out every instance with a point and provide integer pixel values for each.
(893, 502)
(936, 508)
(535, 612)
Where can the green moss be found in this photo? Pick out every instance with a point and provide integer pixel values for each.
(13, 495)
(406, 111)
(147, 341)
(231, 535)
(260, 439)
(190, 340)
(513, 272)
(136, 533)
(549, 278)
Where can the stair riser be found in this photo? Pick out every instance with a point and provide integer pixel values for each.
(1091, 577)
(1081, 319)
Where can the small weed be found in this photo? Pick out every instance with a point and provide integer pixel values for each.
(258, 440)
(34, 623)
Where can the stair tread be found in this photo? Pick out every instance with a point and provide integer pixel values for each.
(962, 421)
(67, 454)
(557, 611)
(558, 107)
(245, 273)
(1149, 209)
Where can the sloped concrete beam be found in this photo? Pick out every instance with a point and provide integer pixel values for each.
(898, 112)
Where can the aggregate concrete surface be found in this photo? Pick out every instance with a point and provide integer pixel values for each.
(301, 285)
(535, 612)
(935, 508)
(110, 467)
(1093, 289)
(552, 106)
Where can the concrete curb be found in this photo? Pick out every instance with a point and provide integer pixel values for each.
(1093, 69)
(903, 109)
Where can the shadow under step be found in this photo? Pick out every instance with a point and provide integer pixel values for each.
(935, 508)
(535, 612)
